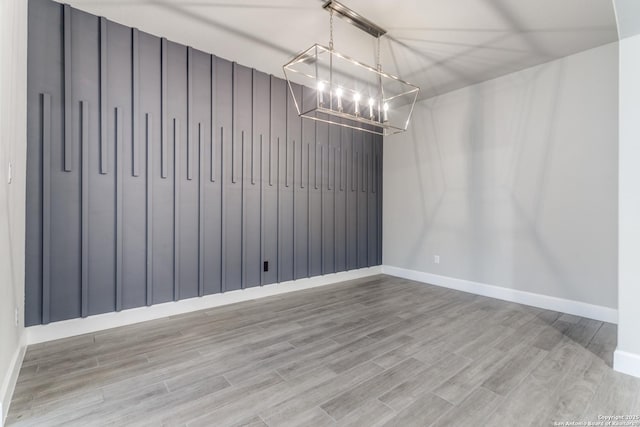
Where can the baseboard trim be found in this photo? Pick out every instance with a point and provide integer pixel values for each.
(627, 363)
(9, 384)
(100, 322)
(591, 311)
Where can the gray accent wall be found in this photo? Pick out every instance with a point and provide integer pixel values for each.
(157, 172)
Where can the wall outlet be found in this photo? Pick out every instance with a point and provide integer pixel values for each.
(16, 319)
(436, 259)
(9, 173)
(265, 266)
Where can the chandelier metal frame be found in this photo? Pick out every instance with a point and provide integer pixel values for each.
(379, 120)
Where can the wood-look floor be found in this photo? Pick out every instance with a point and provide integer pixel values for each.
(376, 351)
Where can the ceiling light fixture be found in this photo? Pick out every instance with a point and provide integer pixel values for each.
(336, 83)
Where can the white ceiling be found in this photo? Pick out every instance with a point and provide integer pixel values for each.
(440, 45)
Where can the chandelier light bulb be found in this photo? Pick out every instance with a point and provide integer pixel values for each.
(339, 95)
(385, 109)
(371, 101)
(320, 91)
(356, 101)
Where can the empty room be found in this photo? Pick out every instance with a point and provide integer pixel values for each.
(319, 213)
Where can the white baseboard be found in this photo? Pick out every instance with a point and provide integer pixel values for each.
(627, 363)
(9, 384)
(582, 309)
(73, 327)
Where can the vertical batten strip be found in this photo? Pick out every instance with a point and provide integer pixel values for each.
(270, 164)
(262, 211)
(104, 137)
(335, 186)
(354, 169)
(315, 163)
(164, 164)
(68, 109)
(84, 144)
(278, 227)
(201, 213)
(379, 204)
(374, 178)
(344, 160)
(286, 163)
(241, 161)
(243, 247)
(46, 204)
(363, 177)
(119, 189)
(343, 167)
(309, 210)
(212, 99)
(253, 179)
(212, 156)
(330, 150)
(223, 216)
(322, 208)
(372, 170)
(218, 203)
(301, 163)
(262, 207)
(149, 206)
(369, 169)
(190, 147)
(189, 159)
(233, 158)
(293, 211)
(341, 164)
(357, 202)
(135, 99)
(213, 149)
(176, 209)
(366, 190)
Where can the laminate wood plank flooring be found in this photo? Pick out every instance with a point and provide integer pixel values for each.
(368, 352)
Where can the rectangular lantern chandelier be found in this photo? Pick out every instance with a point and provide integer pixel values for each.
(343, 91)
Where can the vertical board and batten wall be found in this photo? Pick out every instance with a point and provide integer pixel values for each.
(157, 172)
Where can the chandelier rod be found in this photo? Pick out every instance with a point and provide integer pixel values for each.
(331, 29)
(331, 56)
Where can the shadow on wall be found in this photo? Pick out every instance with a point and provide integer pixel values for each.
(513, 182)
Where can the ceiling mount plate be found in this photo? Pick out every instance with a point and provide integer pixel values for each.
(354, 18)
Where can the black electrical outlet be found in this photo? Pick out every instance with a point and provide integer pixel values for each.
(265, 266)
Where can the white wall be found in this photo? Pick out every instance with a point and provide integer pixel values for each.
(627, 17)
(13, 92)
(513, 182)
(627, 355)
